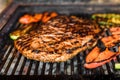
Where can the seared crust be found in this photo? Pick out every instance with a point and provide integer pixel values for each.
(58, 40)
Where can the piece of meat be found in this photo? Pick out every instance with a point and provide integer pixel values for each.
(59, 39)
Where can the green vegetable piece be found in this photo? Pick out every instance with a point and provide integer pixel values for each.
(25, 30)
(117, 65)
(21, 31)
(93, 17)
(14, 37)
(104, 23)
(15, 34)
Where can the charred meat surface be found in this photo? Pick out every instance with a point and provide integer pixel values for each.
(59, 39)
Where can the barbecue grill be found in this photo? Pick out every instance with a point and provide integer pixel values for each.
(13, 63)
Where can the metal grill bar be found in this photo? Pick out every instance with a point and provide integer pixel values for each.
(46, 69)
(23, 64)
(5, 58)
(40, 68)
(65, 68)
(29, 68)
(10, 58)
(62, 68)
(19, 65)
(58, 69)
(72, 67)
(17, 62)
(36, 68)
(50, 69)
(43, 68)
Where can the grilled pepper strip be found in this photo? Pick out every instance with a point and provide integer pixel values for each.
(47, 16)
(95, 64)
(43, 17)
(27, 19)
(103, 58)
(92, 55)
(104, 55)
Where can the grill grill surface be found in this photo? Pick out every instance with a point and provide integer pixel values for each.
(13, 63)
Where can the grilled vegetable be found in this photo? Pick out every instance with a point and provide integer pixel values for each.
(97, 64)
(97, 58)
(92, 55)
(106, 15)
(27, 19)
(105, 55)
(21, 31)
(105, 23)
(43, 17)
(107, 19)
(101, 59)
(14, 35)
(117, 65)
(47, 16)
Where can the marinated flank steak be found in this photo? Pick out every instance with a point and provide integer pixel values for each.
(59, 39)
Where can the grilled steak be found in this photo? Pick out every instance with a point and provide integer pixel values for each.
(59, 39)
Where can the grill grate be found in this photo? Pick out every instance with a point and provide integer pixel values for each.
(13, 63)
